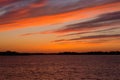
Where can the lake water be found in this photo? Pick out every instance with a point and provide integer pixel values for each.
(60, 67)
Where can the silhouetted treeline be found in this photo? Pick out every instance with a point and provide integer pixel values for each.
(91, 53)
(12, 53)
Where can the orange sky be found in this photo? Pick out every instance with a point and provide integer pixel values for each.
(37, 26)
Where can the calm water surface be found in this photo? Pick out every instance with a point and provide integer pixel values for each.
(60, 67)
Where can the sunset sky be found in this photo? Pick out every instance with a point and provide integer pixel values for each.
(59, 25)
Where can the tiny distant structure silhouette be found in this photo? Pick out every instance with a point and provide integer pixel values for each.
(13, 53)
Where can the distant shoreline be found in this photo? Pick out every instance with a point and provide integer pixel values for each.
(10, 53)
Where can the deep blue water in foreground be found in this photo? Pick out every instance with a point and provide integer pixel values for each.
(60, 67)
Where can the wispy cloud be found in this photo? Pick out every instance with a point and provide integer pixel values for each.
(29, 34)
(94, 31)
(97, 37)
(15, 6)
(101, 21)
(93, 37)
(13, 12)
(104, 26)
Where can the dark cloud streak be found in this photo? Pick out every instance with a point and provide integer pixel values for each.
(94, 31)
(51, 7)
(98, 37)
(92, 37)
(107, 19)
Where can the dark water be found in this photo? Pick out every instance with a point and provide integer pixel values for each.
(60, 67)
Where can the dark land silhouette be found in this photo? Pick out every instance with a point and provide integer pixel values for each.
(13, 53)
